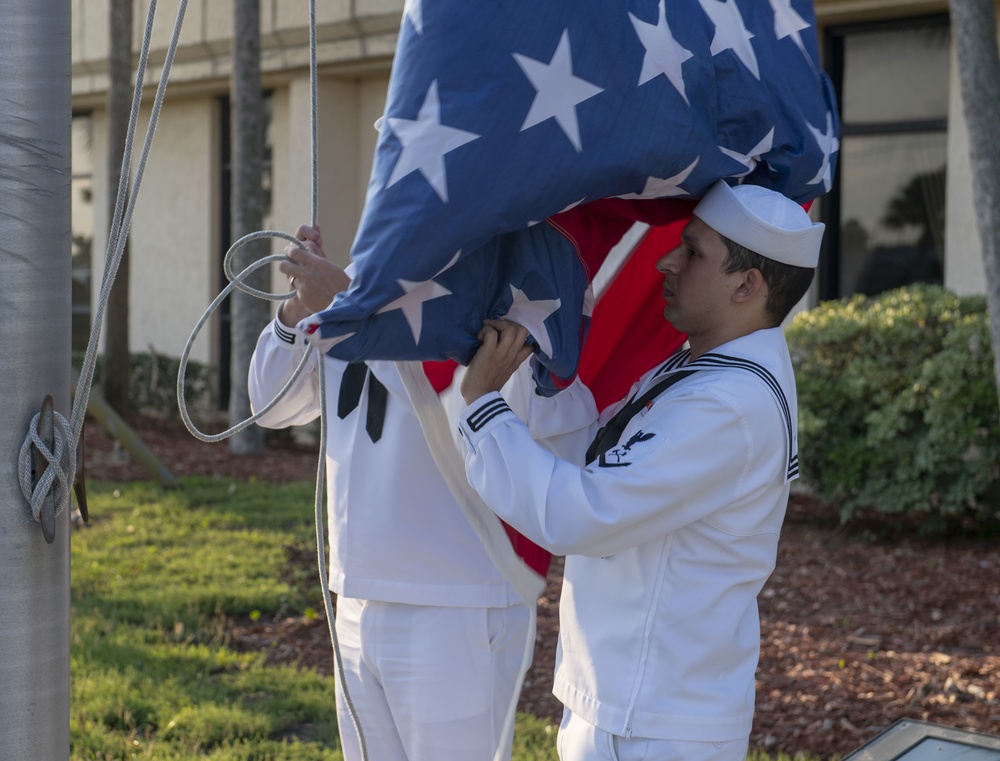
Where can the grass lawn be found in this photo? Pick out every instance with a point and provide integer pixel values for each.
(157, 577)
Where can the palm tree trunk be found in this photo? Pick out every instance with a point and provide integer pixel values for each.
(974, 25)
(249, 314)
(114, 379)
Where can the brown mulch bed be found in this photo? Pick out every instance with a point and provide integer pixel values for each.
(857, 632)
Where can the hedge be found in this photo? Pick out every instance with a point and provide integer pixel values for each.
(152, 384)
(898, 409)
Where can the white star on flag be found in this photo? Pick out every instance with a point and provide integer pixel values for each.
(788, 23)
(411, 303)
(532, 315)
(730, 32)
(557, 91)
(669, 187)
(413, 10)
(664, 55)
(829, 144)
(749, 160)
(425, 142)
(329, 344)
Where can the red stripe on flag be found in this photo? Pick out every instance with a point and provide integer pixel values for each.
(628, 334)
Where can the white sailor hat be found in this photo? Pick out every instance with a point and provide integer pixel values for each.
(763, 221)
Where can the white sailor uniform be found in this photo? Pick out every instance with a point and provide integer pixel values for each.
(669, 537)
(431, 634)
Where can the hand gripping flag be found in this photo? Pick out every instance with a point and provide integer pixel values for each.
(502, 114)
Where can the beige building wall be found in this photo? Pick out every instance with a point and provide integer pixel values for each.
(352, 36)
(173, 242)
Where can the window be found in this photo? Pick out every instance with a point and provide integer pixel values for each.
(886, 213)
(82, 216)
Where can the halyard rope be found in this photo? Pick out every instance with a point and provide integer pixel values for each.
(63, 465)
(58, 476)
(236, 281)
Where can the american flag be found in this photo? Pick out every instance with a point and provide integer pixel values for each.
(502, 113)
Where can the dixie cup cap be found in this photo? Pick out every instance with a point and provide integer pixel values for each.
(764, 221)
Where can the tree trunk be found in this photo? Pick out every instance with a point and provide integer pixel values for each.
(114, 378)
(974, 26)
(249, 315)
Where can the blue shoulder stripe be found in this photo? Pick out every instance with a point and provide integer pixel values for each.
(487, 412)
(713, 360)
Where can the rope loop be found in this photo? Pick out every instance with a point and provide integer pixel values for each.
(59, 474)
(236, 281)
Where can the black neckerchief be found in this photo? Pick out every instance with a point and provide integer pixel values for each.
(609, 435)
(351, 386)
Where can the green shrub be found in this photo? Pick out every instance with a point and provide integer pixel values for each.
(152, 384)
(898, 408)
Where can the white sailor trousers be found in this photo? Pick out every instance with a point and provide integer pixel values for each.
(579, 740)
(427, 682)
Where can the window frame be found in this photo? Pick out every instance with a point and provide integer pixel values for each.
(84, 311)
(828, 274)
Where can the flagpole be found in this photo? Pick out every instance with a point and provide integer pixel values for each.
(35, 347)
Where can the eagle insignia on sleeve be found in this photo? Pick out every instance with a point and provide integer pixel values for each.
(618, 457)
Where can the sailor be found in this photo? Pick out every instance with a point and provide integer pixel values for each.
(669, 506)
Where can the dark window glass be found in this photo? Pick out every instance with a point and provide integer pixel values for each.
(885, 214)
(82, 215)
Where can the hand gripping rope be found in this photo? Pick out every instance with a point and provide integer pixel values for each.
(433, 422)
(236, 281)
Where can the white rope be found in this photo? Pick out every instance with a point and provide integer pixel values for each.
(59, 474)
(319, 513)
(122, 220)
(237, 282)
(55, 485)
(433, 421)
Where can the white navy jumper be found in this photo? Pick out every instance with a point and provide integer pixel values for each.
(669, 537)
(396, 532)
(431, 636)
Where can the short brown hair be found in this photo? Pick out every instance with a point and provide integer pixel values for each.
(786, 283)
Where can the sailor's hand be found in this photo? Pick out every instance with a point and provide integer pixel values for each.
(502, 352)
(311, 274)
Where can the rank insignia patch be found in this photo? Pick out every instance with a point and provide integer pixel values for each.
(620, 455)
